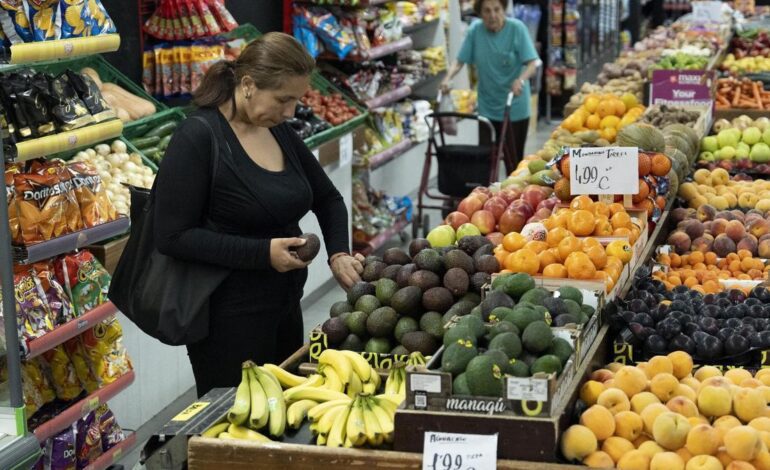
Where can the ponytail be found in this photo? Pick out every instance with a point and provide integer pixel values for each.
(217, 86)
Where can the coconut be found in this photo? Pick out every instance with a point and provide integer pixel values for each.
(644, 136)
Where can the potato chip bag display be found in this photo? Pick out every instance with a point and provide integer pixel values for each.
(62, 374)
(59, 304)
(105, 351)
(85, 280)
(88, 92)
(95, 205)
(100, 23)
(75, 18)
(77, 354)
(222, 15)
(111, 432)
(209, 22)
(33, 372)
(61, 451)
(72, 215)
(33, 315)
(88, 439)
(10, 196)
(42, 206)
(16, 23)
(46, 22)
(33, 400)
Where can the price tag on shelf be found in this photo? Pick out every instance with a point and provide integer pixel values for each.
(449, 451)
(430, 383)
(604, 170)
(346, 149)
(527, 388)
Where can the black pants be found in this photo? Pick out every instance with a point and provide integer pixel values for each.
(237, 337)
(515, 139)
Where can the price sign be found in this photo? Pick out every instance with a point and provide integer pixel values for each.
(604, 170)
(708, 10)
(449, 451)
(346, 149)
(527, 388)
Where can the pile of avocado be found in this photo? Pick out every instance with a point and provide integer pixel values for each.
(406, 299)
(509, 333)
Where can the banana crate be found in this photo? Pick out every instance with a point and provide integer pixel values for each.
(319, 342)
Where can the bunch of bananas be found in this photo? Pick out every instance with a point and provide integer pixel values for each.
(396, 382)
(354, 422)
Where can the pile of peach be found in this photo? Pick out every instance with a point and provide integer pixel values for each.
(702, 271)
(660, 416)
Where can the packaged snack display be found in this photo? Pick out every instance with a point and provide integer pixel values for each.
(42, 206)
(105, 351)
(45, 23)
(101, 23)
(59, 303)
(88, 91)
(337, 40)
(72, 216)
(79, 358)
(88, 438)
(61, 451)
(86, 281)
(189, 19)
(33, 315)
(16, 24)
(35, 386)
(95, 205)
(110, 430)
(62, 374)
(75, 16)
(10, 196)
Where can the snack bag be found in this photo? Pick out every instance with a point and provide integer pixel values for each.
(101, 23)
(305, 35)
(46, 22)
(166, 67)
(209, 22)
(91, 193)
(185, 58)
(62, 373)
(61, 451)
(60, 305)
(73, 219)
(79, 358)
(336, 39)
(32, 312)
(176, 69)
(110, 430)
(105, 351)
(88, 439)
(199, 30)
(222, 15)
(9, 84)
(33, 399)
(85, 280)
(10, 196)
(33, 98)
(158, 85)
(66, 106)
(16, 24)
(89, 94)
(33, 373)
(75, 18)
(184, 17)
(176, 30)
(148, 71)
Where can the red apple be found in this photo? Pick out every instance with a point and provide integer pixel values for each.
(523, 207)
(482, 195)
(543, 213)
(512, 221)
(496, 238)
(469, 205)
(496, 206)
(509, 195)
(485, 221)
(549, 203)
(484, 190)
(457, 218)
(533, 196)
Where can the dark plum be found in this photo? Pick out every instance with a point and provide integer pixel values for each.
(709, 325)
(658, 286)
(695, 295)
(699, 336)
(675, 315)
(627, 315)
(680, 289)
(659, 313)
(746, 330)
(734, 323)
(751, 301)
(709, 299)
(755, 340)
(668, 328)
(725, 333)
(686, 318)
(712, 311)
(655, 345)
(690, 328)
(736, 345)
(736, 295)
(709, 348)
(761, 293)
(724, 303)
(743, 308)
(643, 318)
(750, 321)
(765, 335)
(679, 305)
(734, 311)
(638, 306)
(682, 343)
(648, 299)
(756, 311)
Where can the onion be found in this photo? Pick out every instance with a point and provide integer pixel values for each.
(114, 159)
(119, 146)
(91, 152)
(102, 149)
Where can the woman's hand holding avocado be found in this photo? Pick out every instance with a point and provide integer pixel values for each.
(282, 257)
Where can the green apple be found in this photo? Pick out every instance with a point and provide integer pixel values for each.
(707, 156)
(760, 153)
(751, 136)
(710, 144)
(441, 236)
(726, 153)
(727, 138)
(467, 230)
(742, 151)
(766, 136)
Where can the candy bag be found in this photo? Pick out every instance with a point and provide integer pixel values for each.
(62, 373)
(88, 438)
(32, 312)
(79, 358)
(166, 67)
(15, 24)
(105, 351)
(199, 30)
(88, 92)
(101, 23)
(184, 17)
(209, 22)
(85, 280)
(9, 84)
(61, 451)
(185, 57)
(110, 430)
(60, 305)
(66, 106)
(46, 22)
(75, 18)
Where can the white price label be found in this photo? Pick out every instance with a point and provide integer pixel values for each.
(346, 149)
(708, 10)
(449, 451)
(528, 389)
(604, 170)
(430, 383)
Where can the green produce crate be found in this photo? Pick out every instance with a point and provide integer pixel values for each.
(158, 119)
(131, 149)
(326, 88)
(246, 31)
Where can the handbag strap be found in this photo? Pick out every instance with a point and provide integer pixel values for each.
(214, 160)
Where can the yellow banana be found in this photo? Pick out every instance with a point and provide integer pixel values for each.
(389, 402)
(327, 420)
(286, 378)
(416, 359)
(240, 432)
(348, 443)
(336, 436)
(226, 436)
(371, 424)
(316, 394)
(338, 361)
(375, 379)
(392, 385)
(360, 366)
(297, 412)
(321, 440)
(259, 415)
(356, 428)
(240, 409)
(215, 430)
(402, 384)
(370, 388)
(384, 418)
(333, 381)
(354, 385)
(316, 412)
(314, 380)
(276, 405)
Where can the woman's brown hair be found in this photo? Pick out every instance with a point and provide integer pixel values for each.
(477, 4)
(268, 60)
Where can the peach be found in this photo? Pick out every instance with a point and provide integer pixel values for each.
(628, 425)
(640, 401)
(634, 460)
(718, 227)
(763, 248)
(703, 440)
(724, 245)
(762, 461)
(617, 447)
(743, 443)
(766, 392)
(737, 375)
(685, 392)
(760, 424)
(696, 420)
(598, 459)
(723, 457)
(631, 380)
(750, 243)
(749, 403)
(703, 244)
(714, 401)
(641, 440)
(651, 448)
(684, 454)
(765, 436)
(726, 423)
(578, 442)
(683, 406)
(738, 465)
(600, 421)
(590, 392)
(763, 375)
(614, 400)
(758, 227)
(735, 230)
(722, 382)
(705, 372)
(691, 382)
(680, 241)
(659, 364)
(650, 414)
(614, 366)
(670, 430)
(751, 383)
(602, 375)
(681, 363)
(704, 462)
(663, 386)
(666, 461)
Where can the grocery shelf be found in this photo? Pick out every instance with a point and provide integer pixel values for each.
(338, 3)
(375, 52)
(70, 242)
(59, 422)
(68, 140)
(377, 242)
(69, 330)
(419, 26)
(114, 455)
(390, 154)
(390, 97)
(28, 52)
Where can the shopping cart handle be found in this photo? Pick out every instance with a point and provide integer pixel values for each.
(510, 99)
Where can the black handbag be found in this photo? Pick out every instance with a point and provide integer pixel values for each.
(166, 297)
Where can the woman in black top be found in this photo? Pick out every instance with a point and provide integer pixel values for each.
(264, 182)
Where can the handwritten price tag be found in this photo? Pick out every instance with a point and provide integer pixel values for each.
(604, 170)
(449, 451)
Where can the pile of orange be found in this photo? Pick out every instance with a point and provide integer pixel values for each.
(606, 114)
(570, 249)
(702, 271)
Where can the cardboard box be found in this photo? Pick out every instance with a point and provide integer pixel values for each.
(319, 342)
(109, 253)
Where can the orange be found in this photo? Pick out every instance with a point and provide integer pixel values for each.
(598, 256)
(560, 219)
(645, 164)
(514, 241)
(536, 246)
(605, 108)
(523, 261)
(622, 232)
(581, 223)
(567, 246)
(593, 122)
(582, 202)
(589, 243)
(555, 270)
(591, 103)
(620, 249)
(501, 255)
(564, 167)
(616, 207)
(555, 235)
(634, 236)
(610, 122)
(620, 108)
(604, 277)
(546, 258)
(676, 260)
(579, 266)
(609, 134)
(621, 220)
(644, 192)
(698, 257)
(602, 227)
(661, 165)
(601, 209)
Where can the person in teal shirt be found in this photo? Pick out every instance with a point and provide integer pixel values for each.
(502, 51)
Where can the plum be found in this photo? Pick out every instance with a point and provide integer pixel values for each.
(736, 344)
(709, 347)
(680, 241)
(724, 245)
(655, 345)
(682, 343)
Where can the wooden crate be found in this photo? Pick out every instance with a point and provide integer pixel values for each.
(109, 253)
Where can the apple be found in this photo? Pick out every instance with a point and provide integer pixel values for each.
(456, 219)
(751, 136)
(533, 196)
(496, 206)
(482, 193)
(742, 151)
(512, 221)
(485, 221)
(496, 238)
(523, 207)
(467, 230)
(760, 153)
(707, 156)
(766, 136)
(441, 236)
(469, 205)
(509, 195)
(549, 203)
(726, 153)
(710, 144)
(543, 213)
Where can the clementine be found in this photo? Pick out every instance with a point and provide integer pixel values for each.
(523, 261)
(621, 220)
(621, 250)
(567, 246)
(598, 256)
(555, 270)
(579, 266)
(581, 223)
(582, 202)
(514, 241)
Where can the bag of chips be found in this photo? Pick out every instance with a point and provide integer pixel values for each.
(46, 22)
(66, 106)
(148, 71)
(105, 351)
(88, 439)
(62, 374)
(10, 196)
(61, 451)
(73, 219)
(209, 22)
(79, 358)
(37, 388)
(95, 205)
(184, 17)
(75, 18)
(111, 432)
(88, 92)
(185, 57)
(223, 17)
(60, 305)
(85, 279)
(101, 23)
(33, 315)
(16, 23)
